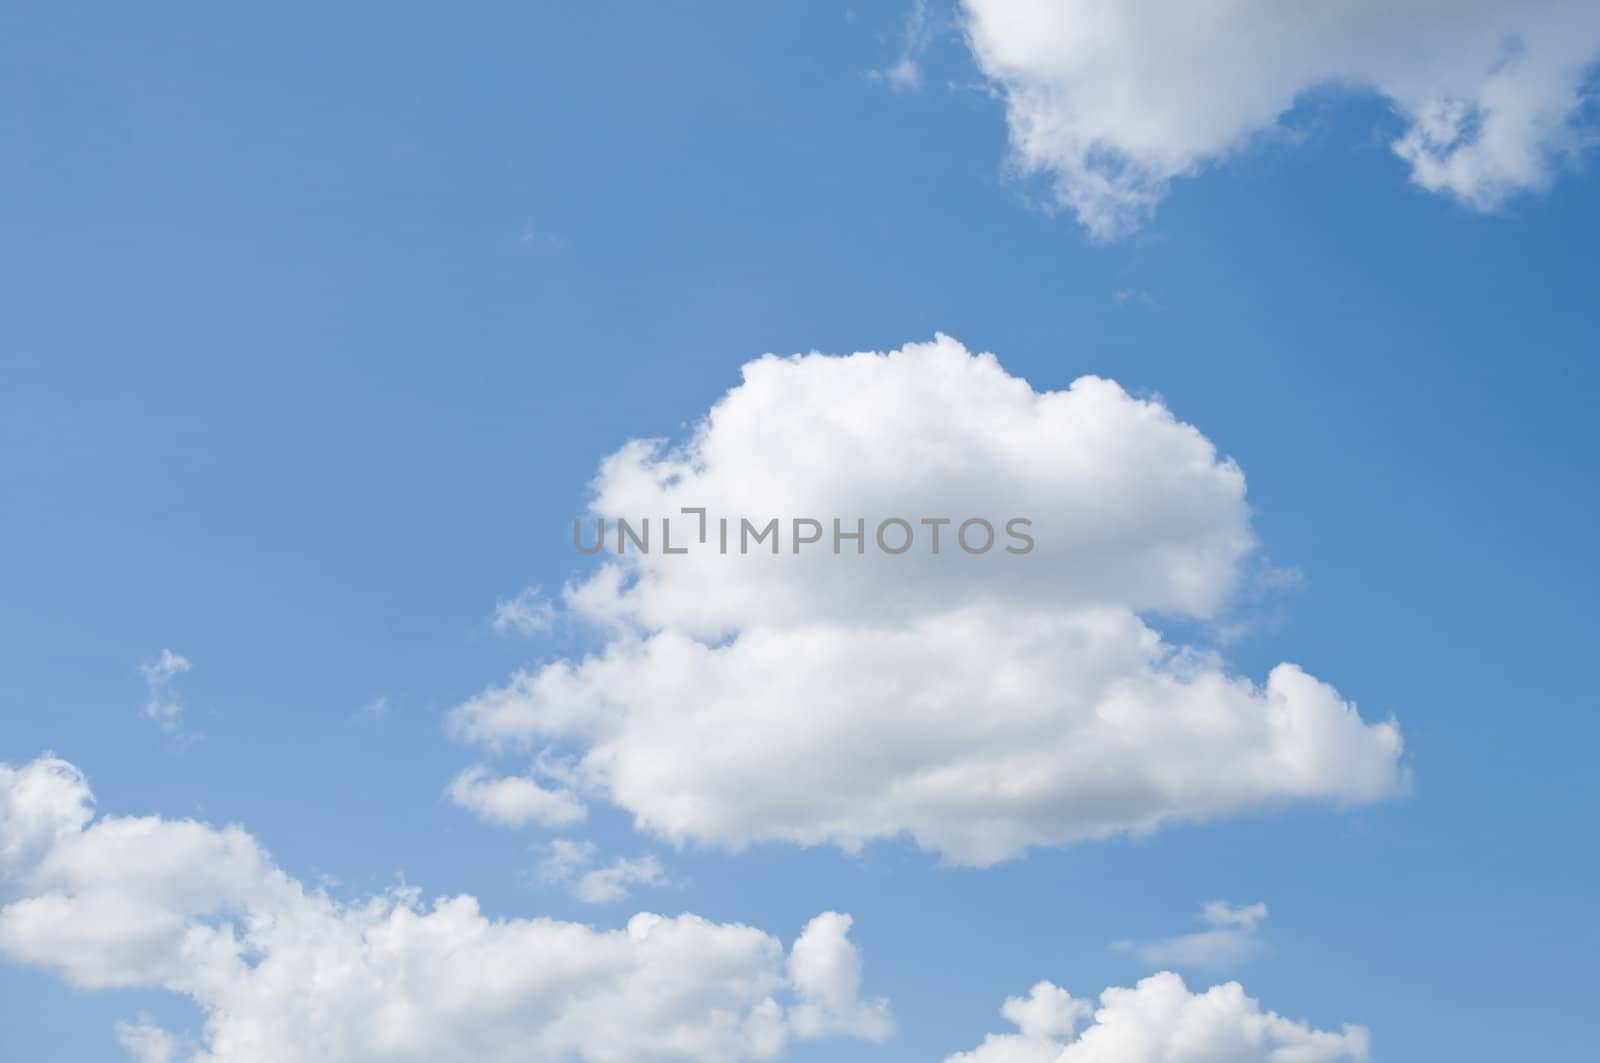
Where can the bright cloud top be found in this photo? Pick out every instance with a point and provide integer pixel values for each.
(1115, 98)
(1159, 1021)
(285, 974)
(980, 704)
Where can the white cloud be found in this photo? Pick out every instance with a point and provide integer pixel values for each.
(1113, 99)
(160, 704)
(1236, 917)
(283, 973)
(1232, 935)
(529, 613)
(1159, 1021)
(905, 73)
(38, 805)
(164, 667)
(513, 800)
(603, 885)
(147, 1043)
(571, 864)
(1270, 577)
(825, 970)
(981, 704)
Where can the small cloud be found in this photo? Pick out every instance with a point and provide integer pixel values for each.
(164, 667)
(570, 864)
(611, 883)
(905, 73)
(160, 704)
(1264, 582)
(1232, 935)
(529, 613)
(1270, 577)
(534, 237)
(1133, 297)
(513, 800)
(375, 709)
(1223, 914)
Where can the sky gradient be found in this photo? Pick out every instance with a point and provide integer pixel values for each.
(316, 324)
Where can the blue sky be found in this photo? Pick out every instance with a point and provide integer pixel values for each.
(316, 323)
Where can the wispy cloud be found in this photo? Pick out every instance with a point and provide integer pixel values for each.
(536, 237)
(1232, 935)
(1270, 577)
(905, 73)
(529, 613)
(160, 703)
(571, 864)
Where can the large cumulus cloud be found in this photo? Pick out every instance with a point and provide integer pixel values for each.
(979, 703)
(284, 974)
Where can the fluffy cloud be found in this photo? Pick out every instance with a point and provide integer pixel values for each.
(513, 800)
(286, 974)
(1159, 1021)
(1115, 98)
(826, 974)
(981, 703)
(1231, 935)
